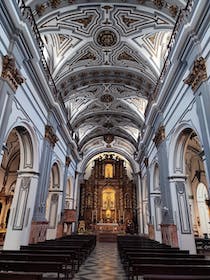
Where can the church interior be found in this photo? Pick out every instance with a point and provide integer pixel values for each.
(104, 139)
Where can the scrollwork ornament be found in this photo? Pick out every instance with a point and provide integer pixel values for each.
(198, 74)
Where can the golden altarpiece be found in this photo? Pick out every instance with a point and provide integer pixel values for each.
(108, 197)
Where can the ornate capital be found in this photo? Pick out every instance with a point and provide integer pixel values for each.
(198, 74)
(10, 73)
(50, 135)
(68, 161)
(159, 136)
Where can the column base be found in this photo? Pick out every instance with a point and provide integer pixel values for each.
(60, 229)
(38, 231)
(151, 231)
(169, 235)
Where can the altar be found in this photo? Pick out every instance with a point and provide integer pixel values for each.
(107, 197)
(108, 227)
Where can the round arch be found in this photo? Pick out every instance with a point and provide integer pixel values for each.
(178, 146)
(82, 165)
(29, 144)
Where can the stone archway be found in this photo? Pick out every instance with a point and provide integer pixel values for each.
(188, 171)
(19, 181)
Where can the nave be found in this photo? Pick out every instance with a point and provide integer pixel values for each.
(103, 263)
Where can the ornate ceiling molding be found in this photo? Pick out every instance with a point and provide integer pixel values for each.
(105, 59)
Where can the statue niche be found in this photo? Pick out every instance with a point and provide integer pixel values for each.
(108, 196)
(108, 205)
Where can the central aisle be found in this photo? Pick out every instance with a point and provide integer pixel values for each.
(102, 264)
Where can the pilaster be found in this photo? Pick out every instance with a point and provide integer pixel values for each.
(45, 167)
(10, 79)
(197, 79)
(168, 228)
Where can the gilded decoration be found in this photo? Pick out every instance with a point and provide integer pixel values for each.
(68, 161)
(55, 3)
(84, 21)
(50, 135)
(159, 136)
(126, 56)
(108, 138)
(10, 73)
(107, 38)
(40, 9)
(88, 55)
(128, 21)
(198, 74)
(159, 3)
(173, 10)
(108, 198)
(106, 98)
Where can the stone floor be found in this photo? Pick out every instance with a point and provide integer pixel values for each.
(102, 264)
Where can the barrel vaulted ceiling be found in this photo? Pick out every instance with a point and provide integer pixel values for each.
(105, 58)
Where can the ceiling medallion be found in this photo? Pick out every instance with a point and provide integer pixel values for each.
(106, 38)
(107, 98)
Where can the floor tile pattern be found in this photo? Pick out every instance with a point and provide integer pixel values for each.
(102, 264)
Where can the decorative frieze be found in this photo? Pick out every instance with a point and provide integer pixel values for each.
(198, 74)
(50, 135)
(10, 73)
(159, 136)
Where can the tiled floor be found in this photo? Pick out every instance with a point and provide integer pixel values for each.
(102, 264)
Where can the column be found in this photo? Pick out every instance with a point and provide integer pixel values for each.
(39, 224)
(139, 202)
(197, 80)
(182, 213)
(76, 199)
(150, 224)
(60, 225)
(18, 229)
(10, 79)
(168, 228)
(67, 163)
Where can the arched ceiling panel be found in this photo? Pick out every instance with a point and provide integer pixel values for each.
(105, 58)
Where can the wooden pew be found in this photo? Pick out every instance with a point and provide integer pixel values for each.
(75, 255)
(20, 276)
(35, 266)
(66, 259)
(164, 261)
(175, 277)
(168, 270)
(142, 257)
